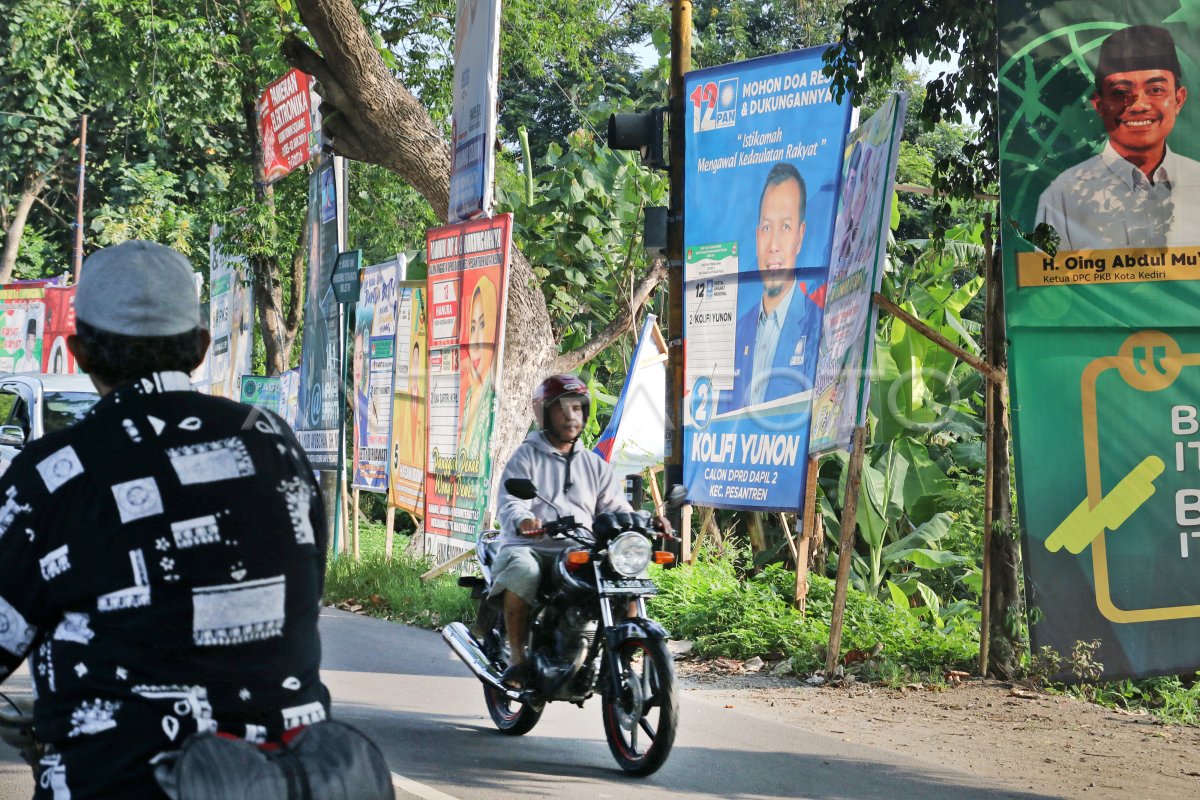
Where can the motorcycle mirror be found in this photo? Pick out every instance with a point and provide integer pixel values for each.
(520, 488)
(677, 496)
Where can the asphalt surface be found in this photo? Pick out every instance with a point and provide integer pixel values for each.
(405, 688)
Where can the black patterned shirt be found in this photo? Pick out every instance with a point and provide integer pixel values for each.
(163, 565)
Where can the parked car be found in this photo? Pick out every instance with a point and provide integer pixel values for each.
(34, 405)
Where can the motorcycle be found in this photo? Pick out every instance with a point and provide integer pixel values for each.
(589, 634)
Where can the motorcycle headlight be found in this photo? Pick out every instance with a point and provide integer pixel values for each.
(629, 553)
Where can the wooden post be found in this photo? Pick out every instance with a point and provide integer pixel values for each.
(806, 530)
(989, 469)
(787, 535)
(390, 522)
(354, 514)
(845, 547)
(343, 502)
(79, 197)
(754, 526)
(982, 367)
(685, 534)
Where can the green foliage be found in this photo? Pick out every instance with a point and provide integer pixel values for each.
(393, 589)
(726, 615)
(147, 205)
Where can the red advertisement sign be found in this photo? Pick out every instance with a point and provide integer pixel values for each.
(289, 125)
(60, 323)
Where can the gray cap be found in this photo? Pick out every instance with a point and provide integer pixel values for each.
(138, 288)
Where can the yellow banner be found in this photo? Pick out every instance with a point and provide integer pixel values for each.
(1097, 267)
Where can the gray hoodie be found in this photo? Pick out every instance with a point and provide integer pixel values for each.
(594, 489)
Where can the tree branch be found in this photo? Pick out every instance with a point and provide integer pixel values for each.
(620, 324)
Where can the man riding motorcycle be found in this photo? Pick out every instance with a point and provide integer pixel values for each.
(573, 479)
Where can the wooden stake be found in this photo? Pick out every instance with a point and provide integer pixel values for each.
(845, 548)
(806, 528)
(356, 497)
(343, 502)
(787, 534)
(389, 534)
(754, 526)
(988, 371)
(451, 564)
(685, 534)
(991, 392)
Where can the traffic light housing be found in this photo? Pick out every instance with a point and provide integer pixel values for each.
(641, 131)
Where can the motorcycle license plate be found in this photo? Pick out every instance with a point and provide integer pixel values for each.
(629, 586)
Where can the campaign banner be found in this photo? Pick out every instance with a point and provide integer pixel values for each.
(409, 441)
(466, 285)
(289, 391)
(842, 387)
(320, 350)
(289, 124)
(476, 75)
(60, 323)
(264, 392)
(636, 434)
(375, 329)
(764, 142)
(22, 321)
(1097, 143)
(231, 319)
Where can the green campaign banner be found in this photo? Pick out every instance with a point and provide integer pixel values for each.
(1097, 148)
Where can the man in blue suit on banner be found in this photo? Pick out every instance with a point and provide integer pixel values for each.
(778, 335)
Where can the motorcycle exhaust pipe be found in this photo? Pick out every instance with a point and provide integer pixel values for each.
(465, 647)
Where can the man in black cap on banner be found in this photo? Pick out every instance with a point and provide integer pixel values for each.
(1137, 192)
(163, 559)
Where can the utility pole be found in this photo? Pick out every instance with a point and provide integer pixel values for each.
(681, 63)
(79, 202)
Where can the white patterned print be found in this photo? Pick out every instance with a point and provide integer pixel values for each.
(136, 596)
(298, 494)
(211, 461)
(193, 532)
(306, 714)
(166, 382)
(10, 509)
(92, 717)
(59, 467)
(75, 627)
(15, 633)
(44, 664)
(54, 776)
(189, 701)
(137, 499)
(235, 613)
(55, 563)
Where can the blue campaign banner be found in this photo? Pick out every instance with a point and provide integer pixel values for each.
(764, 141)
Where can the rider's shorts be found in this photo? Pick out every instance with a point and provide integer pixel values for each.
(519, 570)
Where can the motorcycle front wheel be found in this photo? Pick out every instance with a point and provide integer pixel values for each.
(640, 722)
(511, 717)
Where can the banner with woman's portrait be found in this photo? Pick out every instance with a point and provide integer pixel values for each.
(467, 281)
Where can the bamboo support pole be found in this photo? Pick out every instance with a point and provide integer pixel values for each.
(355, 499)
(390, 532)
(845, 548)
(806, 531)
(987, 370)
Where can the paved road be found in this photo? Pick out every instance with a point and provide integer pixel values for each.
(405, 688)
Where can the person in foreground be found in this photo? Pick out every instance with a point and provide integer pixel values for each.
(573, 478)
(163, 558)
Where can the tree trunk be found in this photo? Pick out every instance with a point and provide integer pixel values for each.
(371, 116)
(278, 326)
(31, 188)
(1004, 636)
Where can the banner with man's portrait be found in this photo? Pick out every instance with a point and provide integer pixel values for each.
(764, 141)
(476, 81)
(375, 334)
(466, 289)
(409, 439)
(1100, 191)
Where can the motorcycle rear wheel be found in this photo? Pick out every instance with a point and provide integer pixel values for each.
(640, 724)
(512, 718)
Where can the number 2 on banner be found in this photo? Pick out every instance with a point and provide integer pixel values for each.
(704, 98)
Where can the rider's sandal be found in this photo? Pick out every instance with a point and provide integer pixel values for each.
(517, 677)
